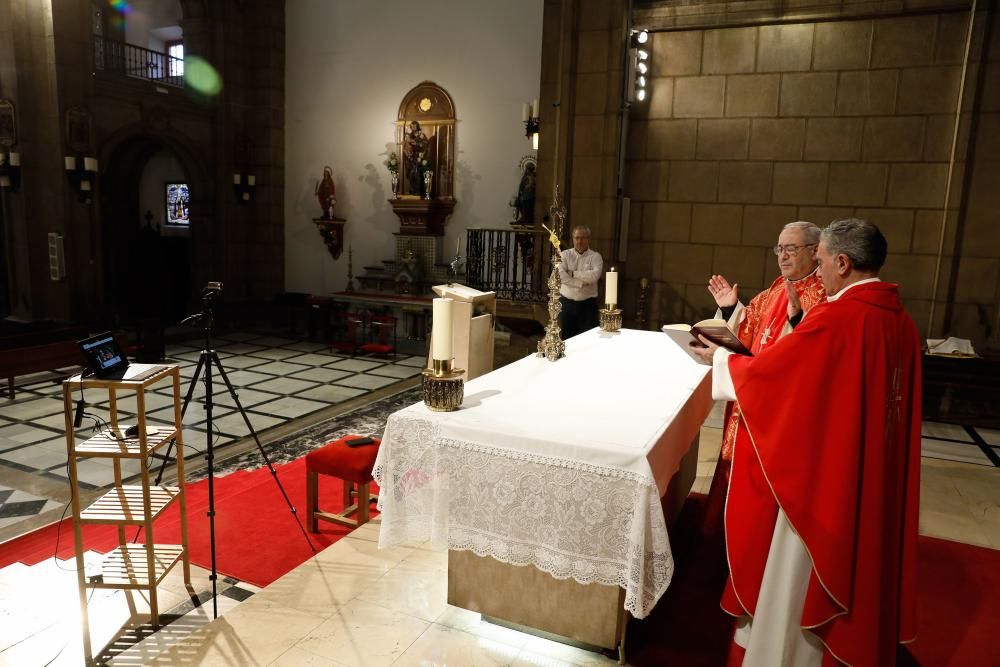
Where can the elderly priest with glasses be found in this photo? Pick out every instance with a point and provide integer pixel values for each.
(769, 315)
(821, 519)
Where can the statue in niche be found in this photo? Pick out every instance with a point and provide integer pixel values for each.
(425, 142)
(524, 202)
(416, 157)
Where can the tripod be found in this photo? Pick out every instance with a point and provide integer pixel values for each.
(206, 360)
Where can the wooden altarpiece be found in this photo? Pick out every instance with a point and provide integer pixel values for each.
(425, 142)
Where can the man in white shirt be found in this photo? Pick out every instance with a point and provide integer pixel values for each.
(580, 270)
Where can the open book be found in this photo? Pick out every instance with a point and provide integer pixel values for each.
(716, 331)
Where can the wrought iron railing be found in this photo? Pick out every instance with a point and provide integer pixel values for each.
(510, 262)
(134, 61)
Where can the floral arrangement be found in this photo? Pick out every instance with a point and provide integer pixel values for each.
(392, 163)
(423, 164)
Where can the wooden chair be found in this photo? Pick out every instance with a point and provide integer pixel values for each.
(354, 466)
(381, 335)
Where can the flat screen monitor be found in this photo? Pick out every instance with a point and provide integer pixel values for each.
(178, 201)
(103, 356)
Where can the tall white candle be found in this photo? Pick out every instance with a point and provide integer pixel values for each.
(237, 179)
(15, 159)
(458, 246)
(90, 163)
(251, 180)
(441, 347)
(611, 287)
(534, 108)
(70, 162)
(525, 112)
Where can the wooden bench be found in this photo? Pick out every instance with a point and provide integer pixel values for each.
(24, 354)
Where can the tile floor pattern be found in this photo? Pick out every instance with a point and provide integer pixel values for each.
(277, 380)
(354, 604)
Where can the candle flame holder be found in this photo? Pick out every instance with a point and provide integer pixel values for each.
(611, 318)
(443, 386)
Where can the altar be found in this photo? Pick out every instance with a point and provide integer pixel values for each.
(560, 466)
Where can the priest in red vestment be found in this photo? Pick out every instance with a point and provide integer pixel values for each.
(821, 519)
(769, 315)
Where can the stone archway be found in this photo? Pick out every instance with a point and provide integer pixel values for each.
(148, 275)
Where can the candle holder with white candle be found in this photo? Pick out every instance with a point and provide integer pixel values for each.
(531, 120)
(82, 172)
(443, 386)
(611, 315)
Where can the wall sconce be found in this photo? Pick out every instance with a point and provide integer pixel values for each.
(82, 172)
(639, 73)
(244, 186)
(529, 116)
(10, 170)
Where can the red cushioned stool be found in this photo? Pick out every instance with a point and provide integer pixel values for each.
(351, 464)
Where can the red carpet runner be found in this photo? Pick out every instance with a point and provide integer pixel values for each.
(258, 541)
(256, 537)
(958, 604)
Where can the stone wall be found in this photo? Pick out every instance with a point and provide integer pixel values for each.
(971, 277)
(581, 113)
(748, 128)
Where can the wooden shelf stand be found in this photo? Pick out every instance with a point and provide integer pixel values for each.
(130, 566)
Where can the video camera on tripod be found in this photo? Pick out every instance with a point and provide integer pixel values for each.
(212, 289)
(208, 360)
(209, 293)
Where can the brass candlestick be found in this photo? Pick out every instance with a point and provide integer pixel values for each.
(611, 317)
(443, 386)
(552, 346)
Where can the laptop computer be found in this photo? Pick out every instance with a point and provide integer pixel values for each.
(105, 360)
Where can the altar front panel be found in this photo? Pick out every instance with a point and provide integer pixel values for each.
(557, 465)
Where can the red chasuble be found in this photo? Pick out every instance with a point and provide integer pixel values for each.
(765, 318)
(833, 416)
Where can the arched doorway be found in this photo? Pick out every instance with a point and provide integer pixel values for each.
(149, 233)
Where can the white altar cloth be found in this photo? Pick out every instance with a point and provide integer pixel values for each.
(558, 465)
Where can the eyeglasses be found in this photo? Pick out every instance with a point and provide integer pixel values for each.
(791, 249)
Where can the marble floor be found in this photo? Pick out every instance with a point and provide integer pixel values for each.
(356, 605)
(277, 380)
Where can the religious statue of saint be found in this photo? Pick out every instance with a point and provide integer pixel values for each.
(415, 145)
(525, 202)
(326, 193)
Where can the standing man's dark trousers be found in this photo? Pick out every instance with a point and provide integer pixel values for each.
(577, 316)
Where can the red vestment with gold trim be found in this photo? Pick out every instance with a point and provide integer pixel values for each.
(833, 422)
(764, 320)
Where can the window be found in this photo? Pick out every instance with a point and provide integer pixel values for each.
(178, 198)
(175, 59)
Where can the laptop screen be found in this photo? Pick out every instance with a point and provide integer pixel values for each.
(102, 354)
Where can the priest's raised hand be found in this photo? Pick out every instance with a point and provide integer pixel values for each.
(794, 305)
(723, 293)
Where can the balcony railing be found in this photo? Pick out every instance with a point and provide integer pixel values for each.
(510, 262)
(134, 61)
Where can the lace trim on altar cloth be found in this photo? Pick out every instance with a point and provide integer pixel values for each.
(595, 524)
